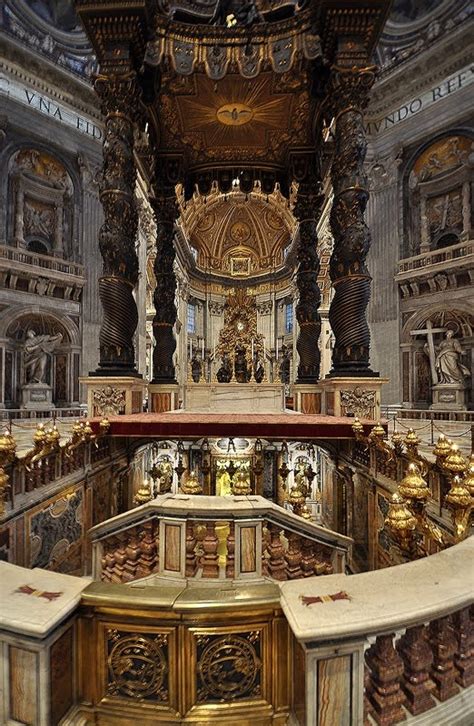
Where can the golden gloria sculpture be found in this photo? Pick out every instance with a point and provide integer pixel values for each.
(413, 486)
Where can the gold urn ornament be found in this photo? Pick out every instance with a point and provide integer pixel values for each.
(469, 476)
(411, 439)
(357, 427)
(413, 486)
(455, 461)
(399, 518)
(458, 495)
(191, 484)
(442, 447)
(144, 494)
(241, 484)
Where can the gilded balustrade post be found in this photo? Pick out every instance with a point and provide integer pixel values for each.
(349, 88)
(120, 103)
(166, 212)
(307, 210)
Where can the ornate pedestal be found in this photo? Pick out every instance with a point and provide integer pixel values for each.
(114, 395)
(308, 398)
(37, 397)
(449, 397)
(352, 396)
(163, 397)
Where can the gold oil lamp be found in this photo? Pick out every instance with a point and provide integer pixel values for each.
(191, 484)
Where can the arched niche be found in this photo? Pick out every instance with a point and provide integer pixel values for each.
(63, 365)
(41, 206)
(415, 363)
(438, 193)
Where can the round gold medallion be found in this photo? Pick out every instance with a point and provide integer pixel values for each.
(234, 114)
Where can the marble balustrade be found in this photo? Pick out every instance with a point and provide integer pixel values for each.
(184, 536)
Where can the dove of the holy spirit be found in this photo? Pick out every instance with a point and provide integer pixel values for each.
(234, 114)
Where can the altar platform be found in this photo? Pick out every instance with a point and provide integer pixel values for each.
(273, 426)
(234, 397)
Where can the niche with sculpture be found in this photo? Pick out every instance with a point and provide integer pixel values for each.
(439, 199)
(41, 204)
(42, 364)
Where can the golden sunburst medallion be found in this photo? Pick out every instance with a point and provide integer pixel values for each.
(234, 114)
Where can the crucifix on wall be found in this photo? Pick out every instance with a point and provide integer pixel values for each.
(429, 331)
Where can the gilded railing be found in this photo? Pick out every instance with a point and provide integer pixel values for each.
(185, 536)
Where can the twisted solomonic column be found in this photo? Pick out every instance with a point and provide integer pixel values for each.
(120, 98)
(166, 212)
(349, 93)
(307, 211)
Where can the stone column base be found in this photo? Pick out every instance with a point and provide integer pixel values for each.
(114, 395)
(163, 397)
(449, 397)
(352, 396)
(307, 398)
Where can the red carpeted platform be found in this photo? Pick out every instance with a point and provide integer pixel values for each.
(182, 425)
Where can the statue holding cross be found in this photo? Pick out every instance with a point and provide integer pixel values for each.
(445, 363)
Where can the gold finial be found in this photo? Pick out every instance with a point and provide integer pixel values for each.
(241, 484)
(104, 425)
(442, 447)
(455, 461)
(357, 427)
(399, 518)
(458, 495)
(53, 436)
(306, 512)
(411, 439)
(469, 476)
(40, 436)
(7, 446)
(378, 431)
(191, 484)
(144, 494)
(413, 486)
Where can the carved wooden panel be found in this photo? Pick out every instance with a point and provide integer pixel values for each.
(61, 686)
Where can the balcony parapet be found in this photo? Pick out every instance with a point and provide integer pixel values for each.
(42, 274)
(455, 257)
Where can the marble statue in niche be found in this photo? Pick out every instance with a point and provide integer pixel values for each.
(447, 362)
(35, 354)
(196, 367)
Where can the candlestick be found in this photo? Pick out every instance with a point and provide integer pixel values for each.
(252, 349)
(202, 347)
(190, 348)
(276, 350)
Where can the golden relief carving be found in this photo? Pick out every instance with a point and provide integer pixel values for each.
(441, 157)
(238, 121)
(137, 665)
(228, 667)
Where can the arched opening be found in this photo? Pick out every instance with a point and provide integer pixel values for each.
(38, 247)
